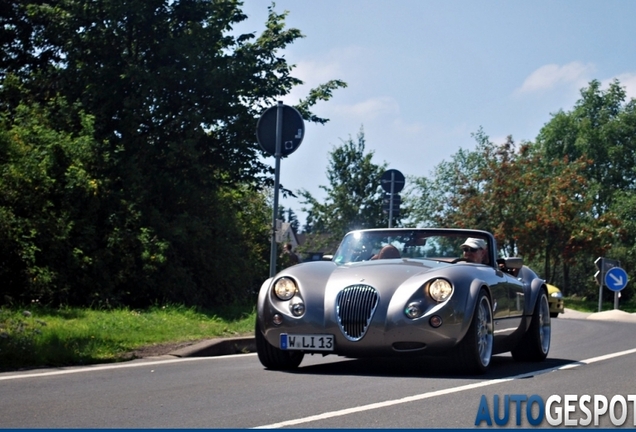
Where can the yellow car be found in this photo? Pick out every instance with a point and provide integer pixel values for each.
(555, 299)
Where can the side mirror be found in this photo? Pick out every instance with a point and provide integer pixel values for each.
(511, 266)
(513, 263)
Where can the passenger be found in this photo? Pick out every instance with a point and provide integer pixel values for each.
(387, 252)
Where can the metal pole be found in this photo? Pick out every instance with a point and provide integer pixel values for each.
(279, 145)
(391, 199)
(600, 286)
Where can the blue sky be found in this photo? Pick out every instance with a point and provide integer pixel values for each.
(424, 75)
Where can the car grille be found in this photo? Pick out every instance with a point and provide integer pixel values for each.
(355, 307)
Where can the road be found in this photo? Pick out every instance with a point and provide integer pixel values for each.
(592, 357)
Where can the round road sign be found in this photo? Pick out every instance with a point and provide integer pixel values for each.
(293, 130)
(616, 279)
(392, 176)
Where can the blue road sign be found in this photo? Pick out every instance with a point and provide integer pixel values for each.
(616, 279)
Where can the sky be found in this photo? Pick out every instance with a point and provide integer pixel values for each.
(423, 75)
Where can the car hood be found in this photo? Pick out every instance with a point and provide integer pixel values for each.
(386, 276)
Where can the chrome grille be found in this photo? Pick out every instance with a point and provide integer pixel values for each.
(355, 306)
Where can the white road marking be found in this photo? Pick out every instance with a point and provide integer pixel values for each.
(117, 366)
(429, 395)
(506, 330)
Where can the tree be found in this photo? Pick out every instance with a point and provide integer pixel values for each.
(602, 128)
(354, 197)
(288, 215)
(536, 208)
(175, 97)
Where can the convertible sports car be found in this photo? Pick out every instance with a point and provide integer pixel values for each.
(405, 292)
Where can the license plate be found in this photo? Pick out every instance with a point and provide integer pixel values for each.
(309, 342)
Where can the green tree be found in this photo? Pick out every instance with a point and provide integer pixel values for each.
(288, 215)
(47, 199)
(537, 209)
(602, 128)
(354, 197)
(175, 97)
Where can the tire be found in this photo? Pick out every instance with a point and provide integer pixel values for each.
(554, 314)
(535, 344)
(272, 357)
(474, 352)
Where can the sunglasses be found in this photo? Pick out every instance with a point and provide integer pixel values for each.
(469, 249)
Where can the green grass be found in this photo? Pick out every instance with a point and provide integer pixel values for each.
(586, 304)
(38, 336)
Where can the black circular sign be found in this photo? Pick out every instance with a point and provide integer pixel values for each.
(392, 176)
(293, 130)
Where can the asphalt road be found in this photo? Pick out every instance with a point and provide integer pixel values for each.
(594, 356)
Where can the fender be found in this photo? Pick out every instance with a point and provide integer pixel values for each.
(471, 299)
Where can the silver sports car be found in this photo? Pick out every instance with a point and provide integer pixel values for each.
(401, 292)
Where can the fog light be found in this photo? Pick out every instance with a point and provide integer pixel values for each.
(277, 319)
(413, 310)
(297, 309)
(435, 321)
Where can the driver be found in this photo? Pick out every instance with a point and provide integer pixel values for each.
(475, 250)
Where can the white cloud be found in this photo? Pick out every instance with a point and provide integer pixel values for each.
(552, 75)
(371, 109)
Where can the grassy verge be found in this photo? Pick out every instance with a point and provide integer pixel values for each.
(585, 304)
(39, 336)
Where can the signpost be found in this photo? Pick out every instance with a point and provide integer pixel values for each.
(279, 132)
(611, 275)
(392, 181)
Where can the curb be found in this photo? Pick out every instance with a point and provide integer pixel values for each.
(217, 347)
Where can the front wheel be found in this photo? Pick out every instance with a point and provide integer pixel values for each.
(272, 357)
(535, 344)
(474, 352)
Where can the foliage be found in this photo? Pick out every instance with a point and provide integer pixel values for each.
(602, 129)
(138, 178)
(48, 196)
(288, 215)
(560, 202)
(354, 196)
(536, 208)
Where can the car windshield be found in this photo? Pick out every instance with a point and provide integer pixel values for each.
(416, 243)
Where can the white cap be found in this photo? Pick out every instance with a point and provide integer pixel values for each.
(475, 243)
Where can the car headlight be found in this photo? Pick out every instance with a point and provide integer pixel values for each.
(440, 290)
(557, 294)
(285, 288)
